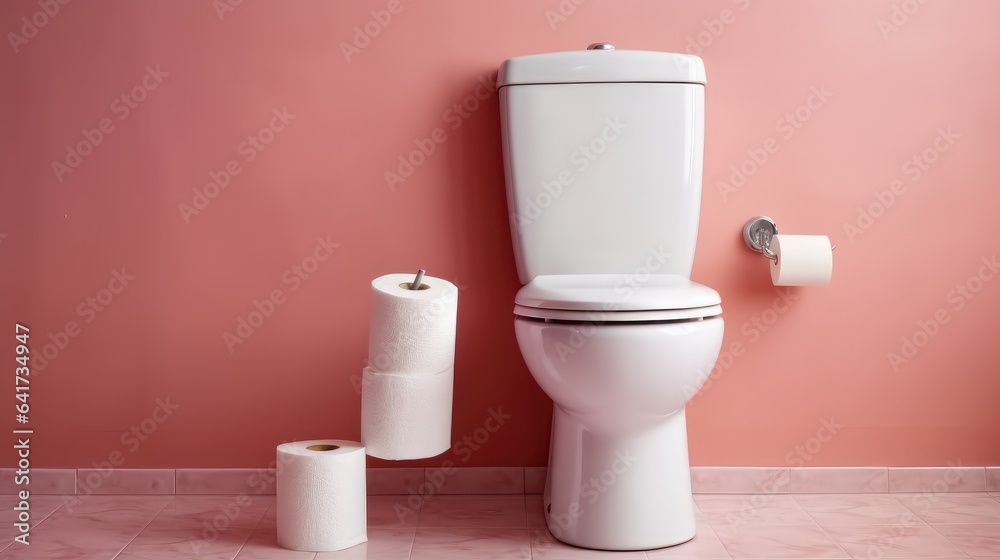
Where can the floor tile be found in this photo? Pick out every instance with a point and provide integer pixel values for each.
(974, 540)
(470, 544)
(779, 541)
(894, 541)
(388, 512)
(163, 540)
(698, 515)
(473, 511)
(945, 508)
(240, 508)
(705, 544)
(39, 509)
(199, 527)
(536, 510)
(504, 526)
(383, 544)
(263, 545)
(857, 509)
(270, 518)
(751, 509)
(99, 528)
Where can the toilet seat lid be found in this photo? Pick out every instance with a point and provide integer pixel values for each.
(617, 292)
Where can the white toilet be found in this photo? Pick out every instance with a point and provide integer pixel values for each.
(603, 156)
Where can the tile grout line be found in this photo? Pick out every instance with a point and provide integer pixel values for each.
(717, 537)
(911, 510)
(949, 541)
(257, 525)
(33, 527)
(416, 523)
(527, 529)
(822, 528)
(533, 530)
(53, 512)
(413, 539)
(794, 501)
(722, 542)
(158, 512)
(924, 522)
(524, 505)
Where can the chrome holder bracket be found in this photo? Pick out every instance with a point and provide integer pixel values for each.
(757, 234)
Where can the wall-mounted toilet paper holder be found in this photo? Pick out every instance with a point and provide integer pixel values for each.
(757, 234)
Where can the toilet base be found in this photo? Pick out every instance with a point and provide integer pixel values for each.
(619, 489)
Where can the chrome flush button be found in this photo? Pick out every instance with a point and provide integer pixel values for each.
(601, 47)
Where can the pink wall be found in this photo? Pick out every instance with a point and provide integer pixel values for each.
(207, 82)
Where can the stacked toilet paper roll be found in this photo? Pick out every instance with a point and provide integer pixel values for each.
(321, 495)
(406, 390)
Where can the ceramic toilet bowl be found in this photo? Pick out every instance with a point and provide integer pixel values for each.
(619, 378)
(619, 353)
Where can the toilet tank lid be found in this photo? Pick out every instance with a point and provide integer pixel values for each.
(600, 66)
(615, 292)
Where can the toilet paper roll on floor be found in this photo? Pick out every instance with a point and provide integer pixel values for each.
(406, 415)
(412, 331)
(321, 495)
(803, 260)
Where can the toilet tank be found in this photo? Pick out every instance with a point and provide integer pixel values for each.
(603, 155)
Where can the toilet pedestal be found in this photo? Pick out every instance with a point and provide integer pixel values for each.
(619, 490)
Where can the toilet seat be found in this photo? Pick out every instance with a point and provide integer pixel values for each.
(616, 298)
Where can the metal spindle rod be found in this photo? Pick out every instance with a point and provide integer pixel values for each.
(415, 285)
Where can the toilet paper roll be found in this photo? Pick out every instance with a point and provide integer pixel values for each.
(406, 415)
(412, 331)
(321, 495)
(803, 260)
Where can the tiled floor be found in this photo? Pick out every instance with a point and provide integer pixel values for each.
(934, 526)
